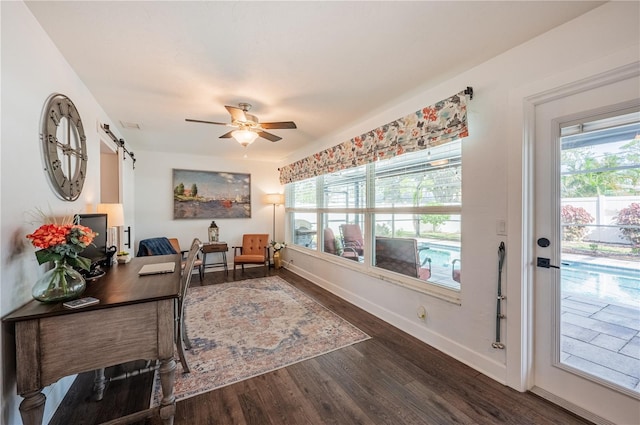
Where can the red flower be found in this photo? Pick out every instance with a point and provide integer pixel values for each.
(62, 242)
(49, 235)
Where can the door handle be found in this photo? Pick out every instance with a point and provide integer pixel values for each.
(545, 263)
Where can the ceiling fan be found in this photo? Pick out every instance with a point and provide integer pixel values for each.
(248, 128)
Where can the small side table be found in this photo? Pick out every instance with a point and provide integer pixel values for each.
(215, 247)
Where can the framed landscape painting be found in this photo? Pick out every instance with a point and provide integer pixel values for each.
(211, 194)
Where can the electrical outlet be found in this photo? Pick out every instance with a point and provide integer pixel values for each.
(422, 313)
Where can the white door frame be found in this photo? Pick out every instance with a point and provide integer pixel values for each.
(528, 217)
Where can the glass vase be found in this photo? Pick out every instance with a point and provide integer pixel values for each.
(61, 283)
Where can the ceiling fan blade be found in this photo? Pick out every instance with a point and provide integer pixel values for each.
(273, 125)
(227, 135)
(237, 114)
(206, 122)
(268, 136)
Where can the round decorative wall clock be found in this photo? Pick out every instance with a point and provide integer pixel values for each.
(64, 147)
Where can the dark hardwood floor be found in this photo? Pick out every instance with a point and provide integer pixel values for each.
(392, 378)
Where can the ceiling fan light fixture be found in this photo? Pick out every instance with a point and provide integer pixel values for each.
(244, 137)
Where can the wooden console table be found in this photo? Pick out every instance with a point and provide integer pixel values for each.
(215, 247)
(134, 320)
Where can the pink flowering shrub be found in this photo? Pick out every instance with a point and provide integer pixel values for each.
(574, 220)
(630, 216)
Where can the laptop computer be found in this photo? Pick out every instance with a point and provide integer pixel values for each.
(157, 268)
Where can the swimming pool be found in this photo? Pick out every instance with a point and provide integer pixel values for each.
(607, 284)
(441, 255)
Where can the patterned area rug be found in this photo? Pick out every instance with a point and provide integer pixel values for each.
(239, 330)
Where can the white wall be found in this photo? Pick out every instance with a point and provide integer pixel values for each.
(493, 167)
(32, 69)
(154, 199)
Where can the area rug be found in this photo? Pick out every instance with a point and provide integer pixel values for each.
(243, 329)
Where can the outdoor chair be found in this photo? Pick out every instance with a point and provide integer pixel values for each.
(401, 255)
(254, 250)
(334, 246)
(351, 235)
(456, 270)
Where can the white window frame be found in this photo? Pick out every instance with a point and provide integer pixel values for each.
(368, 212)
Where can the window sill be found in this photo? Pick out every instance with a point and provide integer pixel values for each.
(428, 288)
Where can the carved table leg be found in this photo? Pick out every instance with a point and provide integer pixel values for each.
(167, 378)
(32, 407)
(99, 383)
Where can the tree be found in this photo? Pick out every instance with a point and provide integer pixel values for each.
(586, 174)
(179, 190)
(436, 220)
(578, 181)
(194, 190)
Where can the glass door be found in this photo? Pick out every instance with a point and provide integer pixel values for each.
(587, 280)
(600, 249)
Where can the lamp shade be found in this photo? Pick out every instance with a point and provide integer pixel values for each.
(115, 214)
(244, 137)
(274, 198)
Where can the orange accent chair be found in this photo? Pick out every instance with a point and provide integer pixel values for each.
(254, 250)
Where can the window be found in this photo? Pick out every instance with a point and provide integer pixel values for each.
(304, 219)
(398, 217)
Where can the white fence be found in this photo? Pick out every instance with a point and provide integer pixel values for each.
(604, 209)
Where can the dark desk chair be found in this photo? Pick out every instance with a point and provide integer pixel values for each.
(164, 246)
(401, 255)
(182, 340)
(254, 250)
(198, 262)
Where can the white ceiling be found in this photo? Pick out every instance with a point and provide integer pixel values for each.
(323, 65)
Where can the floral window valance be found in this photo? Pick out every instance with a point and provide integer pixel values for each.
(428, 127)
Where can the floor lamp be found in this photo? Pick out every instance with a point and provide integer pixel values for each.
(274, 199)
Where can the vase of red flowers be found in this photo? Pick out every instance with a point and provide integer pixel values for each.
(61, 244)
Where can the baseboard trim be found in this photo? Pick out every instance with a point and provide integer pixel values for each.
(482, 364)
(570, 407)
